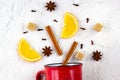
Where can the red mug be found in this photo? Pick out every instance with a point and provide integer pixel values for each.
(55, 71)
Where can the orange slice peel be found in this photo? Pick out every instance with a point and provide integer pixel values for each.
(26, 52)
(70, 26)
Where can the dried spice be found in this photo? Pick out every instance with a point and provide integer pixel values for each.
(96, 55)
(70, 53)
(87, 20)
(76, 5)
(33, 10)
(44, 39)
(39, 29)
(25, 32)
(81, 46)
(55, 20)
(82, 28)
(54, 40)
(50, 6)
(92, 43)
(47, 51)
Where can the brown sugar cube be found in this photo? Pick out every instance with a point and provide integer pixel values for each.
(31, 26)
(79, 55)
(98, 27)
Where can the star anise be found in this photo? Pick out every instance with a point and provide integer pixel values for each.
(50, 6)
(97, 55)
(47, 51)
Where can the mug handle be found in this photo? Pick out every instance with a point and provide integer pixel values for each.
(41, 75)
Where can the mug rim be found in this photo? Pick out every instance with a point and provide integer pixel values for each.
(60, 64)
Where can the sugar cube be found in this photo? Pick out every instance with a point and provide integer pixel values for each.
(79, 55)
(31, 26)
(98, 27)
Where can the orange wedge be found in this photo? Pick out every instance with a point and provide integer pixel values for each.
(70, 26)
(26, 52)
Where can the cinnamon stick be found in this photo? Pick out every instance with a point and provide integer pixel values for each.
(70, 52)
(54, 41)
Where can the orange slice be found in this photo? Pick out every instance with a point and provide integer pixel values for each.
(26, 52)
(70, 26)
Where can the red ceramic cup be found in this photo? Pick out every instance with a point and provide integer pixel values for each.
(72, 71)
